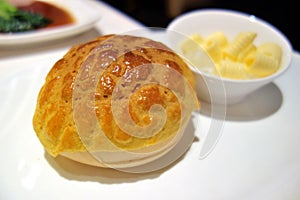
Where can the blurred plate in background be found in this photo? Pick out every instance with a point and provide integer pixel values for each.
(85, 16)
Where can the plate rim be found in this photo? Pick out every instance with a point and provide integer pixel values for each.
(31, 37)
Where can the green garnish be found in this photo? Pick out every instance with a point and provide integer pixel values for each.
(13, 19)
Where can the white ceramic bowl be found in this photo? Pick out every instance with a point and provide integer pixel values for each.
(206, 21)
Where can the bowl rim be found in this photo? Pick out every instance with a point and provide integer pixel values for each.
(243, 16)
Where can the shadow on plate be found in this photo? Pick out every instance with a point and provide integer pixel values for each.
(73, 170)
(7, 51)
(258, 105)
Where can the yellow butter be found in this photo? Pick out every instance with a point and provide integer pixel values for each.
(236, 59)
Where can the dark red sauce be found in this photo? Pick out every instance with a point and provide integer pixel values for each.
(58, 15)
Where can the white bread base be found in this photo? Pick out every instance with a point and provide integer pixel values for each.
(122, 159)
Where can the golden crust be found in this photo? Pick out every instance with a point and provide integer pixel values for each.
(118, 55)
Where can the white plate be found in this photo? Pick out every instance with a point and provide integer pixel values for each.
(256, 158)
(85, 17)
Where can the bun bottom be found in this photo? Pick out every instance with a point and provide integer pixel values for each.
(121, 159)
(84, 158)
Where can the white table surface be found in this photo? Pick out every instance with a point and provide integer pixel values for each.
(257, 156)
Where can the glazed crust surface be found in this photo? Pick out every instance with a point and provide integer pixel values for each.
(93, 72)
